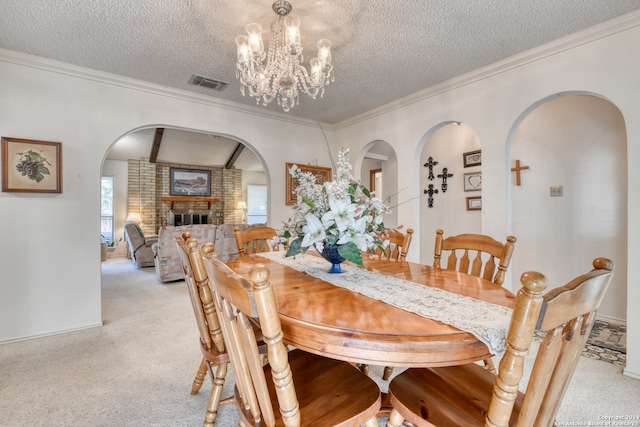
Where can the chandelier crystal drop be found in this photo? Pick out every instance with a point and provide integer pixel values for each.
(282, 76)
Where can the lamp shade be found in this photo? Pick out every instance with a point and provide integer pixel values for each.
(134, 217)
(241, 205)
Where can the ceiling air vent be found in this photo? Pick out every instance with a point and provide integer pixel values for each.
(208, 83)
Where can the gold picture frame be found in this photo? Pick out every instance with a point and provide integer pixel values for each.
(322, 174)
(30, 166)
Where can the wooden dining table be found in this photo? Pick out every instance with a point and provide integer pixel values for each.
(334, 322)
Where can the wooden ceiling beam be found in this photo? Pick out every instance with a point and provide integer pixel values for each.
(157, 140)
(234, 156)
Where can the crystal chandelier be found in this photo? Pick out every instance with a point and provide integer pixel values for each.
(283, 75)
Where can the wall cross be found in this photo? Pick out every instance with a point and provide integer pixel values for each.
(430, 164)
(431, 191)
(517, 170)
(444, 175)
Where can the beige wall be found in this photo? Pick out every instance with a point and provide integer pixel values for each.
(45, 291)
(493, 103)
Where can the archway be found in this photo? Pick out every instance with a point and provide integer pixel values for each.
(445, 201)
(571, 205)
(378, 159)
(177, 147)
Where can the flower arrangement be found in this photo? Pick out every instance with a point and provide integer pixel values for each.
(341, 213)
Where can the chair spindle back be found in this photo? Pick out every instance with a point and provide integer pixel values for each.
(398, 246)
(566, 316)
(256, 239)
(481, 256)
(241, 304)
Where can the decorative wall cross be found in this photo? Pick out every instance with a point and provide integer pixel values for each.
(444, 175)
(430, 164)
(517, 170)
(430, 191)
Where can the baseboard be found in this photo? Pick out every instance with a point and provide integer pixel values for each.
(611, 320)
(51, 334)
(628, 373)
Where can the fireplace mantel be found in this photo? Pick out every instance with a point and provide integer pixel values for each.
(207, 200)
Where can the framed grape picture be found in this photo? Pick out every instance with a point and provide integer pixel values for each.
(30, 166)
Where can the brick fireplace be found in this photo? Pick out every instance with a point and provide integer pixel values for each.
(150, 182)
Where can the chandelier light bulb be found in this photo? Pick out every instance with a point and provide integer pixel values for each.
(243, 49)
(316, 72)
(292, 39)
(255, 39)
(324, 53)
(279, 73)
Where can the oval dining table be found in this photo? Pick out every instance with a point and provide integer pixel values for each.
(334, 322)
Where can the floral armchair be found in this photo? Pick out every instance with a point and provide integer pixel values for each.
(139, 246)
(167, 259)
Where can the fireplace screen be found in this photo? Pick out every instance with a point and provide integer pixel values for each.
(177, 218)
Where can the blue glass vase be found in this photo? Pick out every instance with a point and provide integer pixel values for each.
(330, 253)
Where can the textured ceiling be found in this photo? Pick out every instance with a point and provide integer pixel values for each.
(382, 50)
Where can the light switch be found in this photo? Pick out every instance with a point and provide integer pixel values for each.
(556, 191)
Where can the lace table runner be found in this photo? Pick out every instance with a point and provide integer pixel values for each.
(488, 322)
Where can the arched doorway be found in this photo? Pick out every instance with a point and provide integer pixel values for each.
(445, 201)
(570, 206)
(143, 157)
(378, 165)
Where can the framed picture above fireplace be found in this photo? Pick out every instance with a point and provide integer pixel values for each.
(190, 182)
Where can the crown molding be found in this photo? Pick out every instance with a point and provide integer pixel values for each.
(589, 35)
(597, 32)
(63, 68)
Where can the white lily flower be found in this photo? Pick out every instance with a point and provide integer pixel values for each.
(336, 212)
(313, 231)
(343, 212)
(356, 234)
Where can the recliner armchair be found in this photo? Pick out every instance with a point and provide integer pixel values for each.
(139, 246)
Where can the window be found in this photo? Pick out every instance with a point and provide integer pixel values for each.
(256, 204)
(106, 210)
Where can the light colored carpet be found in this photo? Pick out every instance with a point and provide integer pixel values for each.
(137, 369)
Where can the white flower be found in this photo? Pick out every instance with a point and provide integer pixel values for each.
(357, 235)
(338, 212)
(313, 231)
(376, 204)
(342, 213)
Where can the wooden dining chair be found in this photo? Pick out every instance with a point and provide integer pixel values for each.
(398, 247)
(215, 358)
(183, 253)
(397, 250)
(469, 395)
(478, 255)
(255, 239)
(294, 388)
(475, 254)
